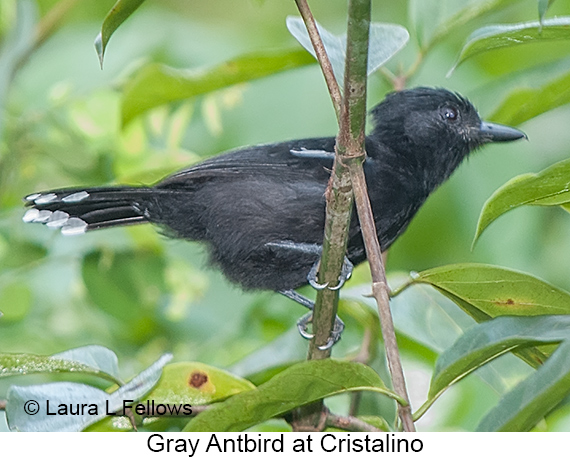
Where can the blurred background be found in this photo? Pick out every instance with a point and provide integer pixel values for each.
(141, 294)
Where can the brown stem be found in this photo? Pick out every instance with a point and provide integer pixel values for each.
(381, 292)
(349, 423)
(363, 356)
(321, 53)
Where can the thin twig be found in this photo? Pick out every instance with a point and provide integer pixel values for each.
(363, 356)
(349, 423)
(46, 27)
(380, 291)
(321, 53)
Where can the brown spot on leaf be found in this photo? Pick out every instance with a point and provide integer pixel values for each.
(510, 301)
(197, 379)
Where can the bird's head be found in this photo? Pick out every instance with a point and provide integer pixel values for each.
(434, 129)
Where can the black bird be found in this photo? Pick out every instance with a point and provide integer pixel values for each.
(260, 210)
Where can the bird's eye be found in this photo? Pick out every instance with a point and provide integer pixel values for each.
(450, 113)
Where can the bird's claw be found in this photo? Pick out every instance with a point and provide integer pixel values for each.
(312, 278)
(302, 325)
(345, 275)
(336, 333)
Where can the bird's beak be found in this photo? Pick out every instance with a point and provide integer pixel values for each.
(497, 132)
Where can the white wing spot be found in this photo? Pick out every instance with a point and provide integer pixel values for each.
(74, 226)
(75, 197)
(57, 219)
(45, 198)
(43, 216)
(31, 215)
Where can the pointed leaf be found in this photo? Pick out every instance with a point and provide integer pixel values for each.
(97, 357)
(118, 14)
(385, 41)
(32, 408)
(524, 406)
(196, 383)
(505, 35)
(22, 402)
(428, 317)
(543, 6)
(298, 385)
(434, 20)
(523, 104)
(497, 291)
(156, 84)
(550, 187)
(93, 360)
(520, 86)
(488, 340)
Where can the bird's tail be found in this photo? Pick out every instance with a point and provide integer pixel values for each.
(77, 210)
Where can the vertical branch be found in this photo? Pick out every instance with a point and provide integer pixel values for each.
(348, 173)
(338, 216)
(321, 54)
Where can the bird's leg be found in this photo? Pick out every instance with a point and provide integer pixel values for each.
(304, 321)
(315, 249)
(302, 324)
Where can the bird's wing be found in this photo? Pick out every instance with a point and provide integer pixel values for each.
(301, 156)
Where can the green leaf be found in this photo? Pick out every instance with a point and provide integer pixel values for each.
(118, 14)
(496, 291)
(157, 84)
(98, 402)
(550, 187)
(94, 360)
(385, 42)
(524, 406)
(433, 20)
(128, 286)
(543, 6)
(298, 385)
(426, 316)
(525, 103)
(531, 399)
(196, 383)
(506, 35)
(99, 358)
(489, 340)
(111, 424)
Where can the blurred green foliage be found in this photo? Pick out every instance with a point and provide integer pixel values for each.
(141, 294)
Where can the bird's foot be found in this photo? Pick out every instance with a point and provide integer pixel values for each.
(303, 324)
(345, 274)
